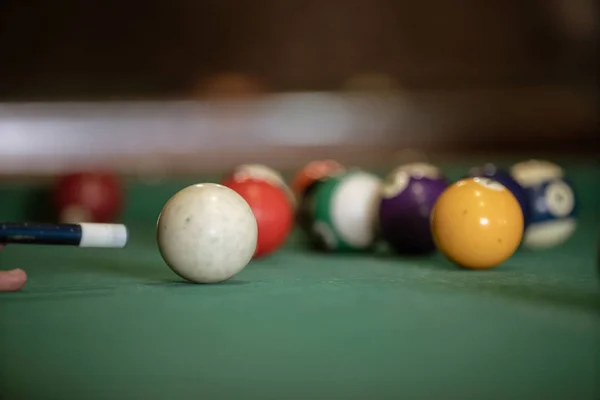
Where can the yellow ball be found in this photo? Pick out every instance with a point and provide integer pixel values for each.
(477, 223)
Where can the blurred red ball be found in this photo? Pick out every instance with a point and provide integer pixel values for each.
(272, 209)
(261, 172)
(88, 197)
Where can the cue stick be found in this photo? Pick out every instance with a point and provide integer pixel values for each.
(81, 235)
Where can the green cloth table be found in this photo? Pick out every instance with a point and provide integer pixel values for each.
(118, 324)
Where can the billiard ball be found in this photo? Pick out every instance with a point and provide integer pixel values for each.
(314, 171)
(345, 212)
(552, 203)
(261, 172)
(305, 184)
(87, 197)
(504, 177)
(408, 195)
(305, 211)
(477, 223)
(272, 210)
(207, 233)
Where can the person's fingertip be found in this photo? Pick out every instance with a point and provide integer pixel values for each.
(13, 280)
(17, 272)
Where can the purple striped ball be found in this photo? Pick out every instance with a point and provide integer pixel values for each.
(408, 196)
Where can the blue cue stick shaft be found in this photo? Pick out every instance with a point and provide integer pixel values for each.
(83, 235)
(35, 233)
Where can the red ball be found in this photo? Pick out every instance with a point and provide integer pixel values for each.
(88, 197)
(272, 209)
(261, 172)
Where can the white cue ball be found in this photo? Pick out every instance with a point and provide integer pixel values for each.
(207, 233)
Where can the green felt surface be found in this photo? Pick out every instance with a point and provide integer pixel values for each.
(118, 324)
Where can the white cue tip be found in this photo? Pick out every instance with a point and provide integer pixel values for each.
(103, 235)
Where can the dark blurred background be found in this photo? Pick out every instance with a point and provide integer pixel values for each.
(70, 49)
(505, 57)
